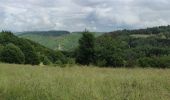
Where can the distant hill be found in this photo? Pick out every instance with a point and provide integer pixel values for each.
(64, 41)
(154, 31)
(67, 41)
(44, 33)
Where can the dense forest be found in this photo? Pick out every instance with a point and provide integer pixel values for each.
(23, 51)
(124, 48)
(129, 48)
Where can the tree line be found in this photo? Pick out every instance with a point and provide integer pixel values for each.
(114, 49)
(22, 51)
(123, 50)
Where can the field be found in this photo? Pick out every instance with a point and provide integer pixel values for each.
(141, 35)
(24, 82)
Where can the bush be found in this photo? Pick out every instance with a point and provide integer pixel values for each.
(101, 62)
(115, 61)
(161, 62)
(164, 62)
(46, 61)
(130, 63)
(12, 54)
(71, 61)
(146, 62)
(59, 63)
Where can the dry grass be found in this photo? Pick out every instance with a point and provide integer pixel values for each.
(19, 82)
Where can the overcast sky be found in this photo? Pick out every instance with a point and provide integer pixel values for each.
(76, 15)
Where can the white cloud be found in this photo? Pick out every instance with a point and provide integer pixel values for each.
(76, 15)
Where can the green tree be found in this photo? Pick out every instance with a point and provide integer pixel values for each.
(12, 54)
(31, 56)
(85, 52)
(108, 52)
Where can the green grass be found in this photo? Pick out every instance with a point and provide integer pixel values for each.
(67, 42)
(24, 82)
(49, 41)
(141, 35)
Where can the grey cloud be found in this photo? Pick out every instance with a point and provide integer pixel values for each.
(75, 15)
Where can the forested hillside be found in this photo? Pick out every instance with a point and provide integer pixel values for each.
(22, 51)
(63, 42)
(163, 31)
(143, 47)
(125, 48)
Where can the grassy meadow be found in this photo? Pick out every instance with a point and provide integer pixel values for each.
(25, 82)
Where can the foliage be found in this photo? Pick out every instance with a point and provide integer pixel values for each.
(31, 50)
(124, 48)
(31, 56)
(12, 54)
(67, 42)
(147, 31)
(143, 47)
(45, 60)
(1, 49)
(162, 62)
(85, 52)
(107, 52)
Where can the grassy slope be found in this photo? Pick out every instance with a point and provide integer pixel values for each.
(67, 42)
(141, 35)
(18, 82)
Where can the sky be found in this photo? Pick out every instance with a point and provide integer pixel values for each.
(76, 15)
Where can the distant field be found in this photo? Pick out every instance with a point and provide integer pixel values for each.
(19, 82)
(66, 42)
(141, 35)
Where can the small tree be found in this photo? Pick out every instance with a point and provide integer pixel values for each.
(85, 52)
(12, 54)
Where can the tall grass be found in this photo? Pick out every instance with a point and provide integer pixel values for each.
(19, 82)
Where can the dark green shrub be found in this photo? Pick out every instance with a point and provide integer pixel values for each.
(12, 54)
(164, 62)
(46, 61)
(146, 62)
(161, 62)
(58, 62)
(101, 62)
(71, 61)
